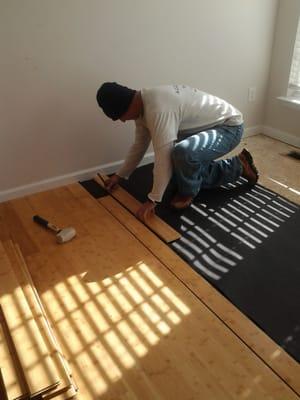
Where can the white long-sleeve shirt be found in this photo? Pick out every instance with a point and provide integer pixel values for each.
(169, 113)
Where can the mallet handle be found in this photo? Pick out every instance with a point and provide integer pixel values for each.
(46, 224)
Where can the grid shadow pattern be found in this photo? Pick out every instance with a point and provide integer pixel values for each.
(245, 241)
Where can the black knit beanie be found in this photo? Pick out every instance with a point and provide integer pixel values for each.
(114, 99)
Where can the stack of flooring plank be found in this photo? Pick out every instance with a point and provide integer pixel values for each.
(31, 360)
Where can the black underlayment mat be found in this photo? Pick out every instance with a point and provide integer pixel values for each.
(246, 242)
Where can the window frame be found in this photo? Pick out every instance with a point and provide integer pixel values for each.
(294, 84)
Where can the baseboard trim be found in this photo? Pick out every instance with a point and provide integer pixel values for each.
(282, 136)
(253, 130)
(57, 181)
(109, 168)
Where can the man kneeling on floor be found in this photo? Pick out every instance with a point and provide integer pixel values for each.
(189, 130)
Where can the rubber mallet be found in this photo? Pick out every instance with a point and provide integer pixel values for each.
(62, 235)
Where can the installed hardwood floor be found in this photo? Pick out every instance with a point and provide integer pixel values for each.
(130, 325)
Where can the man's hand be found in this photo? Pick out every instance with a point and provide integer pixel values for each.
(145, 211)
(112, 182)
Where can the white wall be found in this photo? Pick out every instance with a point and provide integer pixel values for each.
(55, 54)
(279, 116)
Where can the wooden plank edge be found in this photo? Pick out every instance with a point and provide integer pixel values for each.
(36, 313)
(3, 392)
(38, 306)
(37, 339)
(24, 388)
(280, 362)
(62, 394)
(157, 225)
(46, 330)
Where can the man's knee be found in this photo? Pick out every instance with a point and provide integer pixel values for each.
(180, 152)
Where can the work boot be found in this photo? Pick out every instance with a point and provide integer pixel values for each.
(249, 169)
(180, 202)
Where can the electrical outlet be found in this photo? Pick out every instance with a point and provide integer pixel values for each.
(252, 94)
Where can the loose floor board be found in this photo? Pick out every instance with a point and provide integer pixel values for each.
(13, 380)
(31, 350)
(164, 231)
(67, 386)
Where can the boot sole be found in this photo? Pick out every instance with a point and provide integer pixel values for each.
(250, 161)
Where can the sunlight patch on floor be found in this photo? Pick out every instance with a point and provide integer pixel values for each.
(108, 325)
(285, 186)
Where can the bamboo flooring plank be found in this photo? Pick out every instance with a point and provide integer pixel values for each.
(61, 394)
(68, 264)
(31, 350)
(53, 211)
(40, 237)
(174, 333)
(3, 392)
(65, 376)
(14, 381)
(254, 368)
(40, 312)
(51, 208)
(82, 347)
(25, 208)
(154, 365)
(77, 190)
(64, 196)
(273, 355)
(157, 225)
(4, 231)
(16, 229)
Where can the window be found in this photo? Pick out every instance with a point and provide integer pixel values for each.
(292, 97)
(294, 81)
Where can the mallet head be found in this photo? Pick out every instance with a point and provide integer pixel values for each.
(65, 235)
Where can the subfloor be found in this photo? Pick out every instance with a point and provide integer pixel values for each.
(136, 322)
(278, 172)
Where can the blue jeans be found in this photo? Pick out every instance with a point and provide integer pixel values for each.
(193, 159)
